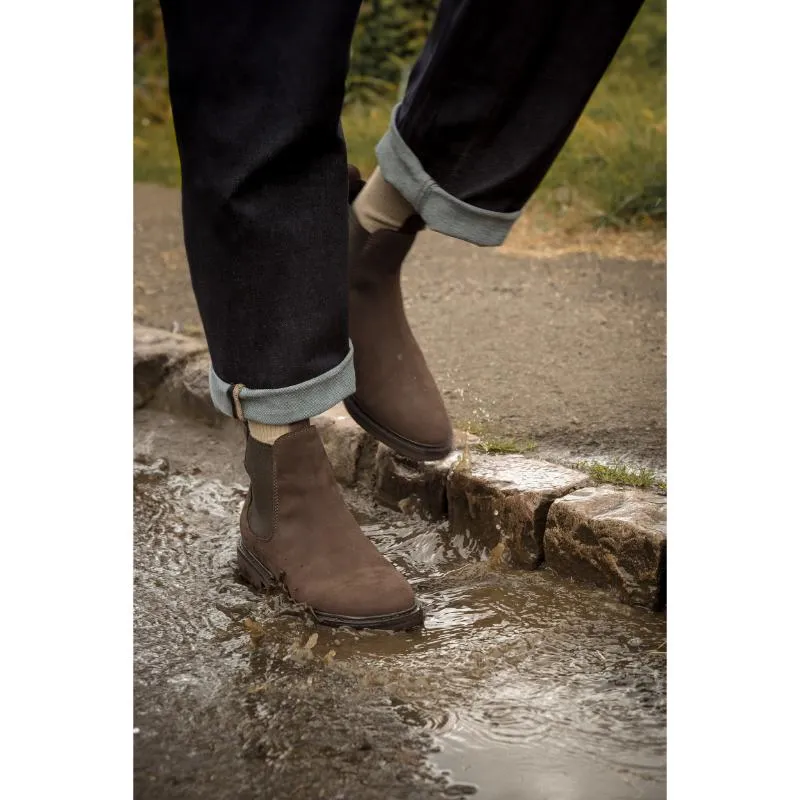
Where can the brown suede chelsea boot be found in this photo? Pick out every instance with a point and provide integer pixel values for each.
(297, 530)
(396, 397)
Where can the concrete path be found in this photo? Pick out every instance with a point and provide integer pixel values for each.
(569, 352)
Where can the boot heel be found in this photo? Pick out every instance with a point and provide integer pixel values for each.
(249, 572)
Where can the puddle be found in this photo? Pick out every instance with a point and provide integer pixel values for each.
(525, 685)
(533, 687)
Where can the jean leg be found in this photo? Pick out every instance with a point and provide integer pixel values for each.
(257, 89)
(490, 103)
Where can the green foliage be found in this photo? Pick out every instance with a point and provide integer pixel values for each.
(150, 89)
(616, 158)
(388, 36)
(645, 46)
(612, 169)
(149, 47)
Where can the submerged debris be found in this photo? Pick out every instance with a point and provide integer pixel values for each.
(302, 653)
(464, 462)
(498, 557)
(256, 631)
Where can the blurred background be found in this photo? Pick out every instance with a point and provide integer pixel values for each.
(609, 182)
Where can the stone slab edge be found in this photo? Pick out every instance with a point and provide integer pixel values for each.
(512, 509)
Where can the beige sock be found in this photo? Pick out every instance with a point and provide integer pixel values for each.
(380, 206)
(267, 434)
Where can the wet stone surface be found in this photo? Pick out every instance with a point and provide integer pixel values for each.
(186, 392)
(348, 446)
(502, 504)
(412, 487)
(521, 685)
(155, 352)
(612, 537)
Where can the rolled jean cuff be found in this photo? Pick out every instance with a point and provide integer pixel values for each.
(441, 211)
(290, 403)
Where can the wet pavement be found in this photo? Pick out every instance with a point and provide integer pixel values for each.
(569, 352)
(521, 685)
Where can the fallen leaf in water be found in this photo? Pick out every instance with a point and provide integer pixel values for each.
(497, 556)
(312, 641)
(255, 630)
(298, 654)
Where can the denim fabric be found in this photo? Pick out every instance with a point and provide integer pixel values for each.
(257, 88)
(441, 211)
(498, 88)
(291, 403)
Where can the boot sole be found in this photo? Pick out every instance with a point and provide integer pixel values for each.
(405, 447)
(256, 574)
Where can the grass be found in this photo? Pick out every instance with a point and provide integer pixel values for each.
(616, 473)
(155, 153)
(611, 174)
(493, 444)
(621, 475)
(363, 127)
(613, 168)
(496, 446)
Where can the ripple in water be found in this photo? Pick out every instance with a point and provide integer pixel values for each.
(532, 687)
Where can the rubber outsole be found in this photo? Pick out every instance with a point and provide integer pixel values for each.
(256, 574)
(405, 447)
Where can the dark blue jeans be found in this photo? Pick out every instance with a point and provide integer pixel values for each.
(257, 89)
